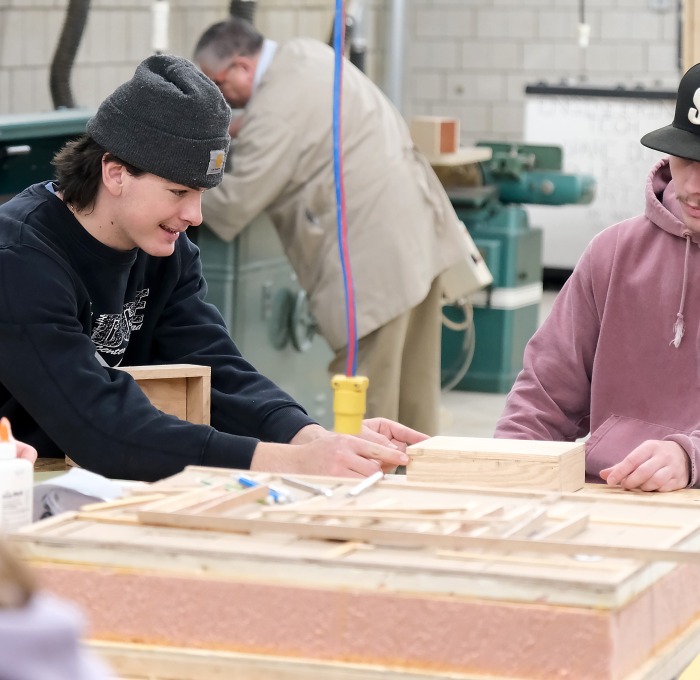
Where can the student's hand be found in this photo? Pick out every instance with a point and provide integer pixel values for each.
(652, 466)
(23, 450)
(320, 452)
(390, 433)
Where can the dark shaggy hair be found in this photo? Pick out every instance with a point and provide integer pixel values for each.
(79, 171)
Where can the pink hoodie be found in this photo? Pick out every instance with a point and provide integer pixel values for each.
(619, 355)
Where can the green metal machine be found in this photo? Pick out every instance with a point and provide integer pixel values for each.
(252, 284)
(506, 314)
(28, 143)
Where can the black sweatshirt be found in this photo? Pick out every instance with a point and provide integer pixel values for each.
(71, 307)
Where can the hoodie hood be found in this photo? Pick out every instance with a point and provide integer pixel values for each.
(663, 209)
(662, 206)
(42, 642)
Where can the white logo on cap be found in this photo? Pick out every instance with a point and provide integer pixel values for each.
(216, 162)
(693, 115)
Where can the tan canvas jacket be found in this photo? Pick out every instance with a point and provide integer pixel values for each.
(402, 230)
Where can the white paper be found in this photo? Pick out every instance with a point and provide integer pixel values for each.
(72, 490)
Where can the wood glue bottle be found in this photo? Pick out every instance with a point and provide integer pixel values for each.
(16, 484)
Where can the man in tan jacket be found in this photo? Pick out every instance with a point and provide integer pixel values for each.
(402, 230)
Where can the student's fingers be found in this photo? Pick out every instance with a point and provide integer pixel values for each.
(27, 452)
(376, 437)
(365, 467)
(398, 434)
(658, 474)
(24, 451)
(382, 454)
(652, 466)
(627, 465)
(655, 475)
(645, 477)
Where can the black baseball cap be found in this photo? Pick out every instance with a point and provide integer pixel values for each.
(682, 137)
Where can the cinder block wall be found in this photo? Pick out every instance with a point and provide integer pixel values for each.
(473, 59)
(466, 58)
(117, 37)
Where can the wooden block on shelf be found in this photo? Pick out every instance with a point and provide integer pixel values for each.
(435, 135)
(472, 461)
(182, 390)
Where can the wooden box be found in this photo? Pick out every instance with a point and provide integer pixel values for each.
(182, 390)
(472, 461)
(435, 135)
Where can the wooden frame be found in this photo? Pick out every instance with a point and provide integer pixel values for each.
(182, 390)
(603, 561)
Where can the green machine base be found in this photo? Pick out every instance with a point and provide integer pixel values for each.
(501, 336)
(506, 315)
(28, 143)
(252, 284)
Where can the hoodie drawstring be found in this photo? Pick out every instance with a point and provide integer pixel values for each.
(679, 326)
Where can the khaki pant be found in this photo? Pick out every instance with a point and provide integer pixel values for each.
(402, 361)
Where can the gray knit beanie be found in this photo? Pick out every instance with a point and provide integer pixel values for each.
(169, 120)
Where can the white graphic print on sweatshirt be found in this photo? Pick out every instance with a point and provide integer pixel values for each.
(111, 332)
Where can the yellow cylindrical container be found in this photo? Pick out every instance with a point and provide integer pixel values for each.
(349, 402)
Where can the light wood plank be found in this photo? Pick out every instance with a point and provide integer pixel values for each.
(559, 466)
(163, 371)
(149, 662)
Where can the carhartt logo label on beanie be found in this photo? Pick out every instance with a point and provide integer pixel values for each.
(682, 137)
(169, 120)
(216, 162)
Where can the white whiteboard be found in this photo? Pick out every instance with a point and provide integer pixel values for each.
(600, 137)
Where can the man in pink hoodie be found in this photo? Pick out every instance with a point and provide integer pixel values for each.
(619, 355)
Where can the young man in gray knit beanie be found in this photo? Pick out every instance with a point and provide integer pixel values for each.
(97, 273)
(167, 120)
(168, 124)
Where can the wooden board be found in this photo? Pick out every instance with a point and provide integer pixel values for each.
(151, 662)
(466, 155)
(559, 466)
